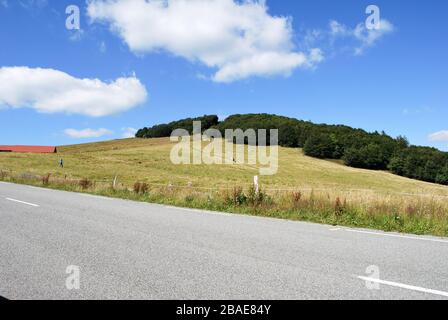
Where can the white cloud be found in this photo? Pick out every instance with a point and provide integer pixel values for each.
(53, 91)
(76, 35)
(337, 28)
(87, 133)
(238, 38)
(4, 3)
(33, 4)
(315, 57)
(439, 136)
(365, 38)
(368, 37)
(264, 64)
(417, 111)
(128, 133)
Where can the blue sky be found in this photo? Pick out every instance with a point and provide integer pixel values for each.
(315, 65)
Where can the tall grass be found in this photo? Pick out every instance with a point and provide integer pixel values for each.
(410, 214)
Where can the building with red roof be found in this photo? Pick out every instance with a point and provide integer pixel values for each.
(28, 149)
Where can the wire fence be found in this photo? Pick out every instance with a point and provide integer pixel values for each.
(117, 184)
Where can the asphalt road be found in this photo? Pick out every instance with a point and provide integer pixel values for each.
(132, 250)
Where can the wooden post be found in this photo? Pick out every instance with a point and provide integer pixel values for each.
(115, 182)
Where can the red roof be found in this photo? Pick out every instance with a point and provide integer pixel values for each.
(31, 149)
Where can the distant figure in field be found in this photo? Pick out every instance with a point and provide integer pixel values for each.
(61, 163)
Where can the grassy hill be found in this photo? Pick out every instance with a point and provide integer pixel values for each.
(355, 147)
(147, 160)
(367, 192)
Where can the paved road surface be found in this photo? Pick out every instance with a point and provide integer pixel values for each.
(132, 250)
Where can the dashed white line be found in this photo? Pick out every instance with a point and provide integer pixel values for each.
(396, 235)
(404, 286)
(23, 202)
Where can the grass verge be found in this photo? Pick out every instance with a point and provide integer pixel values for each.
(409, 215)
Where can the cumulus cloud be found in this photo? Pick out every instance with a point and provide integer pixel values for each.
(128, 133)
(264, 64)
(53, 91)
(238, 38)
(439, 136)
(87, 133)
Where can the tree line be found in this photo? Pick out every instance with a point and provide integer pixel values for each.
(356, 147)
(165, 130)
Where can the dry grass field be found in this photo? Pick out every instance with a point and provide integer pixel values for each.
(322, 186)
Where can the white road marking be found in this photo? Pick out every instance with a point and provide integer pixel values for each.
(95, 196)
(202, 211)
(38, 188)
(23, 202)
(396, 235)
(335, 229)
(405, 286)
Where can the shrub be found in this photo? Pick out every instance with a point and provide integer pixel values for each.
(296, 197)
(137, 187)
(339, 207)
(46, 179)
(85, 183)
(255, 198)
(141, 188)
(237, 197)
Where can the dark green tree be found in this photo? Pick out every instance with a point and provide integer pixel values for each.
(442, 176)
(319, 146)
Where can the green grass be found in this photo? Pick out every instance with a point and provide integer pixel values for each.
(371, 199)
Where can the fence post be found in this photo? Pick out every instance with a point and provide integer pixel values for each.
(256, 187)
(115, 182)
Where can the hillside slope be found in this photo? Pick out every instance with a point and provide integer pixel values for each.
(147, 160)
(303, 189)
(355, 147)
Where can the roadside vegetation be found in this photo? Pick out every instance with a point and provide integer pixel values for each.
(305, 188)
